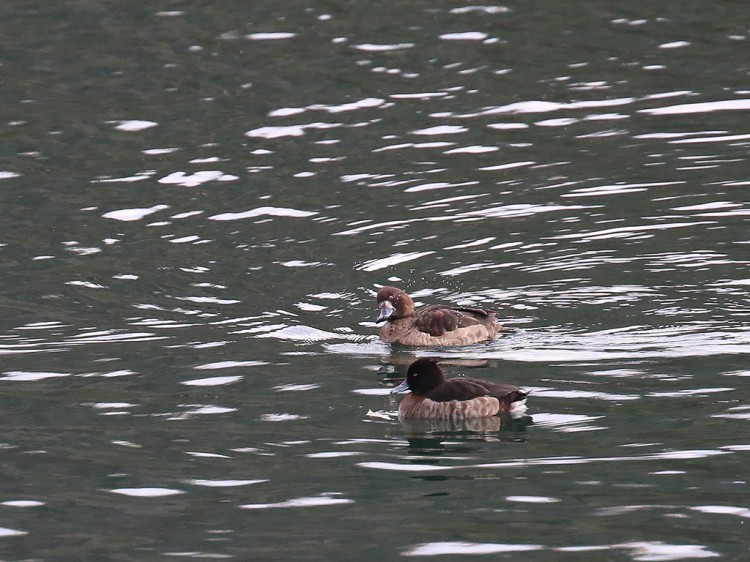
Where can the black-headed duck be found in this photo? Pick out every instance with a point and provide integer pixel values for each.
(434, 397)
(434, 324)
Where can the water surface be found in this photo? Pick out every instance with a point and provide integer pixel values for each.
(199, 203)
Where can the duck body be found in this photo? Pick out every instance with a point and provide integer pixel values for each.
(433, 324)
(434, 397)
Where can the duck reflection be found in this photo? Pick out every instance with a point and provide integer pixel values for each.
(451, 428)
(467, 429)
(393, 367)
(400, 360)
(435, 440)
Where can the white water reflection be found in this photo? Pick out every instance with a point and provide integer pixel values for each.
(228, 365)
(133, 125)
(23, 503)
(270, 35)
(223, 483)
(742, 512)
(128, 215)
(146, 492)
(627, 231)
(304, 334)
(6, 532)
(312, 501)
(198, 554)
(213, 381)
(379, 47)
(197, 178)
(566, 423)
(382, 263)
(465, 548)
(280, 131)
(617, 189)
(111, 405)
(660, 551)
(532, 499)
(689, 392)
(295, 387)
(24, 376)
(551, 461)
(333, 454)
(262, 211)
(644, 551)
(282, 417)
(703, 107)
(191, 410)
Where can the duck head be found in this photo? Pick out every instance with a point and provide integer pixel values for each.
(393, 304)
(423, 376)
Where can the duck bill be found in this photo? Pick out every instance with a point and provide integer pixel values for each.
(385, 313)
(403, 387)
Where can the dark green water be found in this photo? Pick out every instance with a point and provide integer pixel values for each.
(198, 201)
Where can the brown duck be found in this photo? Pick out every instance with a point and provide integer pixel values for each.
(434, 324)
(434, 397)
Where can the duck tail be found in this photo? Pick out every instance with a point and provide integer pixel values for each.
(518, 402)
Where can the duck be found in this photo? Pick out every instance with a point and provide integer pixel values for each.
(434, 324)
(435, 397)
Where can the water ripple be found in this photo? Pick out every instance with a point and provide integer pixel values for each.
(548, 461)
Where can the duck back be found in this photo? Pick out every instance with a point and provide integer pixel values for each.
(466, 388)
(436, 320)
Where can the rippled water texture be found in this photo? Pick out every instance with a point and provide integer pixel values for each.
(199, 201)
